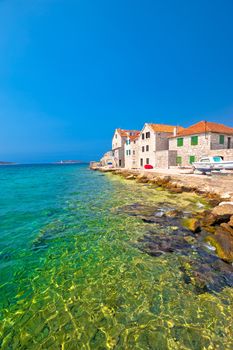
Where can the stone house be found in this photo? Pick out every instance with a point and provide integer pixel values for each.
(153, 145)
(118, 145)
(202, 139)
(131, 151)
(108, 159)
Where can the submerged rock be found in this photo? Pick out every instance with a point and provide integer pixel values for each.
(230, 223)
(223, 242)
(206, 273)
(223, 212)
(192, 224)
(227, 227)
(156, 245)
(50, 232)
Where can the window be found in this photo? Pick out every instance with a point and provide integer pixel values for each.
(143, 148)
(217, 159)
(178, 160)
(147, 148)
(147, 160)
(133, 152)
(143, 136)
(126, 152)
(205, 160)
(141, 162)
(221, 139)
(194, 140)
(147, 135)
(180, 142)
(129, 152)
(191, 159)
(116, 136)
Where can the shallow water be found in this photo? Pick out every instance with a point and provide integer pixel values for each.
(73, 275)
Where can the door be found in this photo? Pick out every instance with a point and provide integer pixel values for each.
(228, 142)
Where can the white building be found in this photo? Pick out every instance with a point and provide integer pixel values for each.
(154, 145)
(131, 151)
(118, 145)
(202, 139)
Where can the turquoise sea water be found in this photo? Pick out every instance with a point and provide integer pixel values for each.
(73, 276)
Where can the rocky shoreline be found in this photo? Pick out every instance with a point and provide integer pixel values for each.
(215, 226)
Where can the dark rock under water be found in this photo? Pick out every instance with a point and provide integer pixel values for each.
(166, 235)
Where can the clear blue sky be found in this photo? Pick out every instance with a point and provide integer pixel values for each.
(73, 71)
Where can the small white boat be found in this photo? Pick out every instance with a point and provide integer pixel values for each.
(206, 164)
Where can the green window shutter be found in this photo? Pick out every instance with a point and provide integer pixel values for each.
(221, 139)
(180, 142)
(194, 140)
(191, 159)
(178, 160)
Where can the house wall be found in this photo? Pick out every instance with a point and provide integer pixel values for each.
(208, 145)
(165, 159)
(108, 157)
(116, 140)
(187, 150)
(118, 148)
(227, 154)
(131, 160)
(151, 142)
(215, 144)
(162, 142)
(157, 142)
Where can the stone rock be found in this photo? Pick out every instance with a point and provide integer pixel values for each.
(230, 223)
(142, 180)
(208, 218)
(223, 242)
(223, 203)
(227, 228)
(175, 190)
(158, 245)
(192, 224)
(130, 177)
(223, 212)
(207, 273)
(173, 213)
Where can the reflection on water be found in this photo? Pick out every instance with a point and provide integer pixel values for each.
(73, 275)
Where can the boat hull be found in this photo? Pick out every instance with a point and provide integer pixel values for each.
(201, 166)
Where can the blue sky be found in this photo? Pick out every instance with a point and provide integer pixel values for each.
(73, 71)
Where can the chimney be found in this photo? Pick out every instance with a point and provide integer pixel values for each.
(175, 130)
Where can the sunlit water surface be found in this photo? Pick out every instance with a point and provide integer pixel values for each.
(72, 276)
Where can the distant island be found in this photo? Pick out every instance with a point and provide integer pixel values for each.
(69, 162)
(7, 163)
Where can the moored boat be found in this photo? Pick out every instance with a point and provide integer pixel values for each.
(206, 164)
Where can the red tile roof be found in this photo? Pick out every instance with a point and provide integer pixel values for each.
(135, 136)
(204, 127)
(164, 128)
(126, 133)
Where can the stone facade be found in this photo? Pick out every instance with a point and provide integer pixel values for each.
(118, 145)
(166, 159)
(149, 143)
(108, 159)
(208, 144)
(131, 153)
